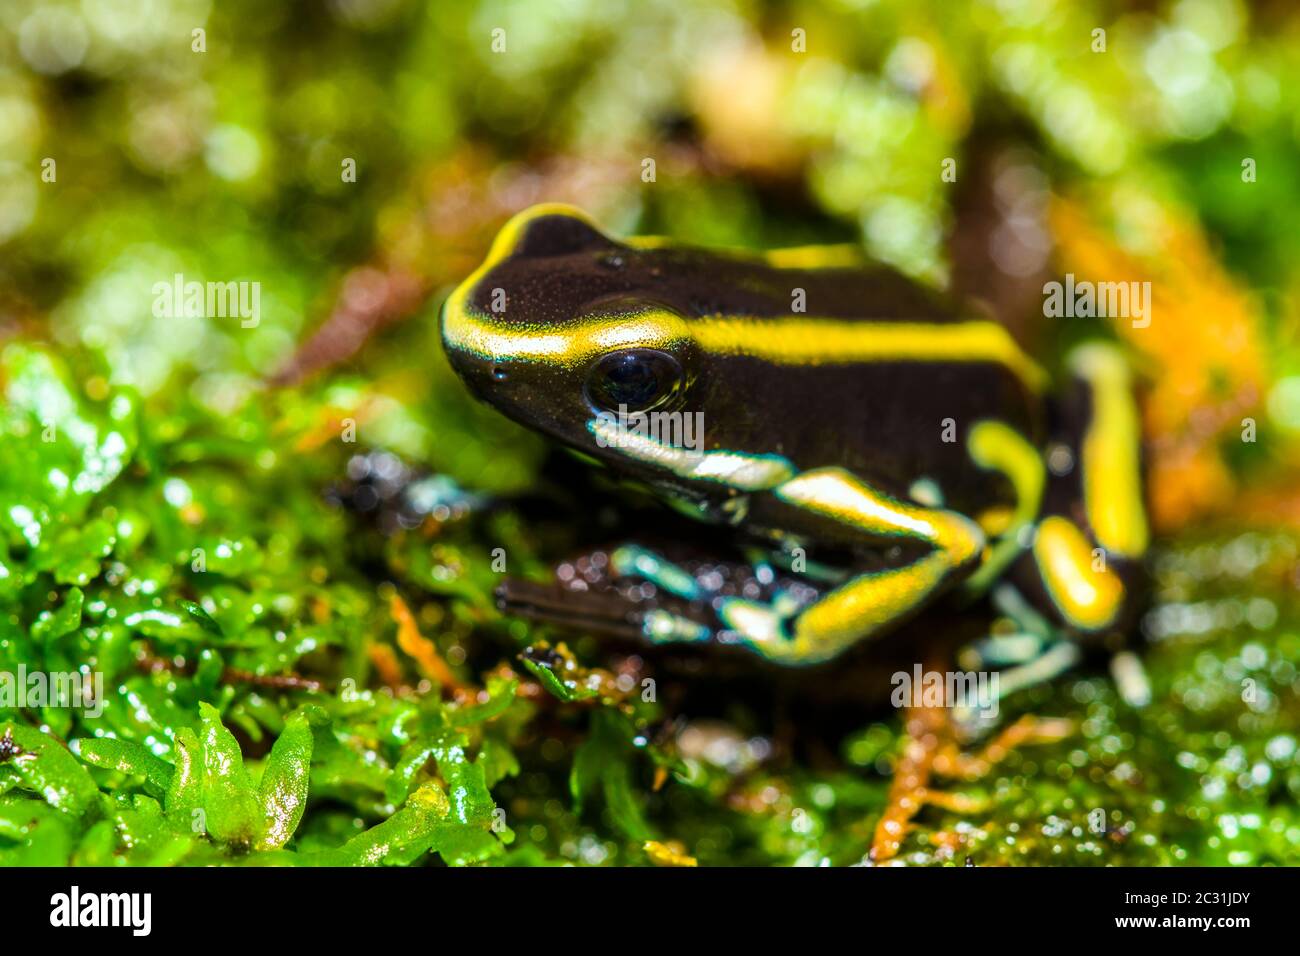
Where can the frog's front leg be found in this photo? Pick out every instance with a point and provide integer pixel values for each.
(785, 621)
(609, 592)
(869, 601)
(722, 586)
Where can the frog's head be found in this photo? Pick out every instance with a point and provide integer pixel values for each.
(562, 325)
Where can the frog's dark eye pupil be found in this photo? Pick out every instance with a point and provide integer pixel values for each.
(638, 379)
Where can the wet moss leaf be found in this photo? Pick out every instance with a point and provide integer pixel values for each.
(128, 757)
(414, 757)
(567, 691)
(229, 803)
(283, 791)
(44, 767)
(54, 453)
(146, 832)
(426, 823)
(65, 619)
(33, 834)
(466, 786)
(403, 837)
(501, 694)
(204, 619)
(602, 767)
(498, 761)
(96, 846)
(75, 555)
(471, 802)
(185, 790)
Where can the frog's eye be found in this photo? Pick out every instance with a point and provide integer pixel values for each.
(639, 379)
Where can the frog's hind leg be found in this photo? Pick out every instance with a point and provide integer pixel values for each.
(1085, 563)
(1083, 567)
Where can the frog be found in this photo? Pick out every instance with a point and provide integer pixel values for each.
(894, 446)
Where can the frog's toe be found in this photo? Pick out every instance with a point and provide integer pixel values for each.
(634, 561)
(753, 623)
(763, 627)
(664, 627)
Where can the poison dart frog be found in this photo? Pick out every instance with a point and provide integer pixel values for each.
(841, 409)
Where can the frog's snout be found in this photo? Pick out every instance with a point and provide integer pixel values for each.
(477, 372)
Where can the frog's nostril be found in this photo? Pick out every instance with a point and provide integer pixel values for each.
(500, 373)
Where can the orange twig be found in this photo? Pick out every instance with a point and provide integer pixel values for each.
(419, 647)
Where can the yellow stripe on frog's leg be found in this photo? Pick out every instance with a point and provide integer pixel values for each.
(869, 602)
(996, 446)
(1088, 594)
(1110, 452)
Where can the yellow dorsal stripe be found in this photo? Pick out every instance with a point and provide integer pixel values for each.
(818, 341)
(568, 344)
(812, 258)
(785, 341)
(793, 340)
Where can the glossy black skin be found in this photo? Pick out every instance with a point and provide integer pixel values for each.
(880, 420)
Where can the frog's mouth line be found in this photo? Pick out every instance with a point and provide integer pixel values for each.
(738, 470)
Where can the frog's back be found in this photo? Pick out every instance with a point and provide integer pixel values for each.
(856, 367)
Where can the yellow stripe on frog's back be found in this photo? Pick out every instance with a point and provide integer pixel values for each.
(793, 340)
(845, 255)
(819, 341)
(783, 341)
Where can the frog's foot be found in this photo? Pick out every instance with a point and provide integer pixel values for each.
(636, 562)
(1035, 662)
(1034, 651)
(761, 626)
(932, 750)
(633, 592)
(591, 594)
(751, 605)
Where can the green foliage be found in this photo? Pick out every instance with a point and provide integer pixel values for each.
(602, 767)
(156, 772)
